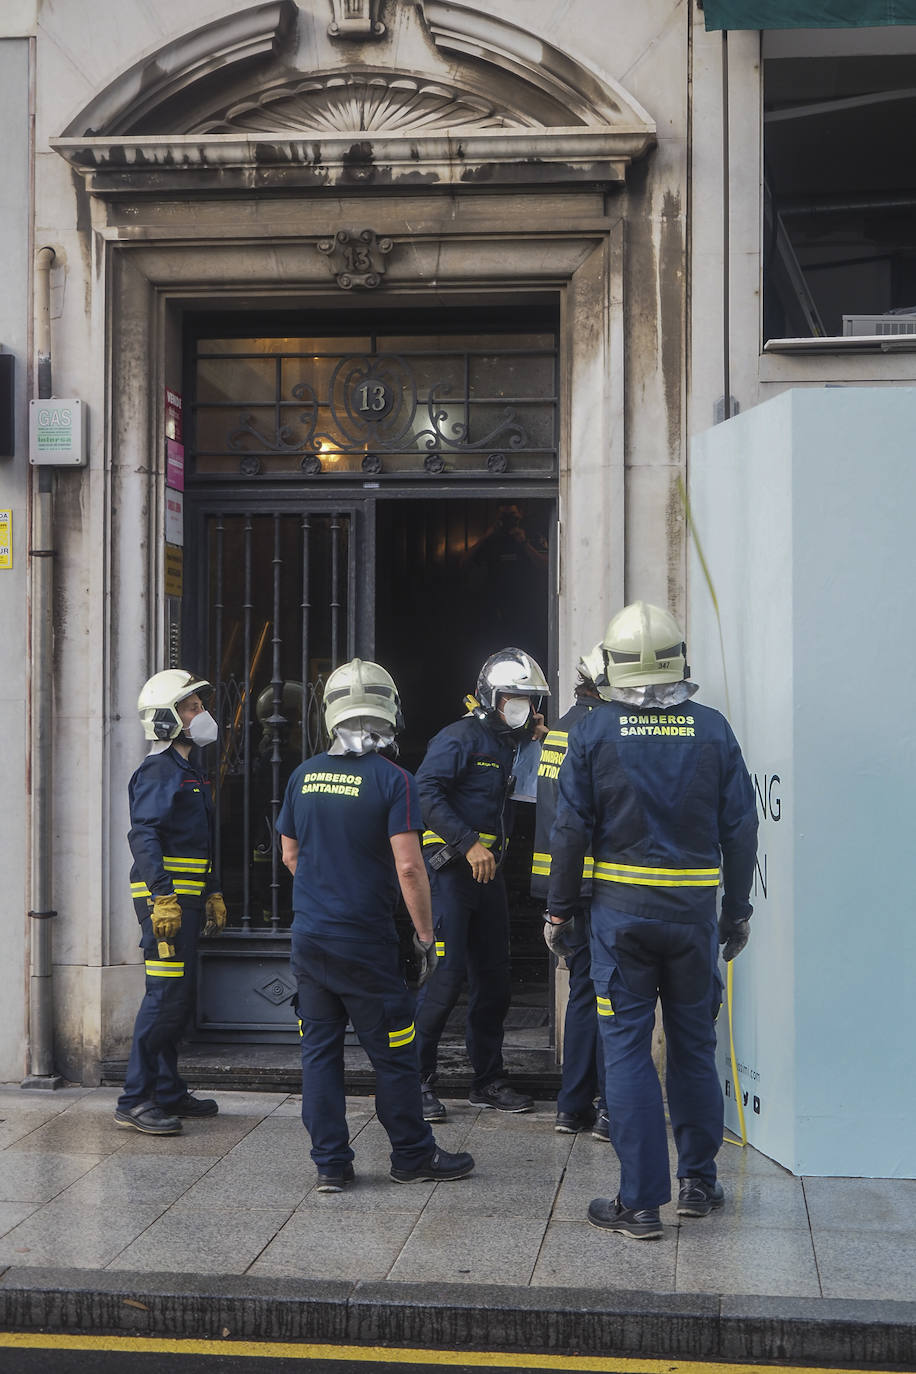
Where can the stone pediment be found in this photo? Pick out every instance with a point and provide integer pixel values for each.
(371, 102)
(224, 110)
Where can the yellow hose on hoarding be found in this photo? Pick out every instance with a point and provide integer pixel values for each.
(729, 975)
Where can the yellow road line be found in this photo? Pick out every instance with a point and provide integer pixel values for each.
(276, 1350)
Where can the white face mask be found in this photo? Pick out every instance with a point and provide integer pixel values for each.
(515, 712)
(203, 729)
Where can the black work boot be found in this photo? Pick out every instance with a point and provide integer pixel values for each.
(638, 1223)
(571, 1123)
(602, 1127)
(195, 1106)
(433, 1109)
(697, 1199)
(500, 1096)
(334, 1180)
(441, 1167)
(149, 1119)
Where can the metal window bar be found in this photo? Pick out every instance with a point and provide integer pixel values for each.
(247, 608)
(217, 531)
(276, 722)
(257, 607)
(306, 608)
(335, 592)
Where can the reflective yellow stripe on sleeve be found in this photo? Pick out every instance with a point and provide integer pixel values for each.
(183, 887)
(430, 837)
(396, 1038)
(604, 1006)
(540, 866)
(189, 876)
(638, 876)
(164, 968)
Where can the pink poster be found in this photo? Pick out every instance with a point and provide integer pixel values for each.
(174, 464)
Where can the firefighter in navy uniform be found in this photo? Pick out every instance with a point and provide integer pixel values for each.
(655, 788)
(465, 782)
(583, 1063)
(174, 890)
(349, 829)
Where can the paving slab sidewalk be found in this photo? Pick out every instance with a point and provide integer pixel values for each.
(221, 1228)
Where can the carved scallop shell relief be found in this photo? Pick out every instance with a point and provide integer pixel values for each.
(362, 103)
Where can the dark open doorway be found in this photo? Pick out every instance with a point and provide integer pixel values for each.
(376, 481)
(456, 580)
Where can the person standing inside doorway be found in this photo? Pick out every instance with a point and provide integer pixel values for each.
(583, 1062)
(465, 782)
(348, 829)
(174, 889)
(655, 788)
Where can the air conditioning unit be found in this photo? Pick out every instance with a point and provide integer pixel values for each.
(860, 326)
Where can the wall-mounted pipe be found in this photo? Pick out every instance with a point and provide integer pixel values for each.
(41, 769)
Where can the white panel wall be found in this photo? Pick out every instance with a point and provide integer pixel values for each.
(803, 507)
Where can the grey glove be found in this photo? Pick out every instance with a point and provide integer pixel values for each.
(563, 939)
(427, 959)
(733, 936)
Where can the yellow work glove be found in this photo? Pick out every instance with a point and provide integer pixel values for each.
(215, 911)
(166, 917)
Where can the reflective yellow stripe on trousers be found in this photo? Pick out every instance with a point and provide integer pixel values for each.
(401, 1037)
(164, 968)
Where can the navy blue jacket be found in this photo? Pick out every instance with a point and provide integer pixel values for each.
(171, 828)
(463, 783)
(660, 799)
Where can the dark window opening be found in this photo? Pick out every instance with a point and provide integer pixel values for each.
(839, 244)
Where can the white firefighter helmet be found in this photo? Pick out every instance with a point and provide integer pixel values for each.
(643, 644)
(513, 673)
(159, 697)
(361, 689)
(591, 665)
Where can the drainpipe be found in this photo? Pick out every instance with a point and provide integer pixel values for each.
(41, 989)
(726, 242)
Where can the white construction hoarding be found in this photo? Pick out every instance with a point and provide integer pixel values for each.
(803, 508)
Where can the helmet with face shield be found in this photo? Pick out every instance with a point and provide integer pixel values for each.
(643, 644)
(511, 673)
(360, 690)
(159, 697)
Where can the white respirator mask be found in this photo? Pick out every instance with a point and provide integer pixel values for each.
(515, 712)
(203, 729)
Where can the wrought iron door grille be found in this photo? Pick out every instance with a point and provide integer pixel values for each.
(279, 622)
(386, 406)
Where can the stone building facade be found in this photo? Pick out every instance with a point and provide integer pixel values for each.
(400, 278)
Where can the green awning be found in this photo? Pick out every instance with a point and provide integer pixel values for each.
(807, 14)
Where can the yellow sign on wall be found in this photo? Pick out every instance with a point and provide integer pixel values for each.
(6, 538)
(173, 570)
